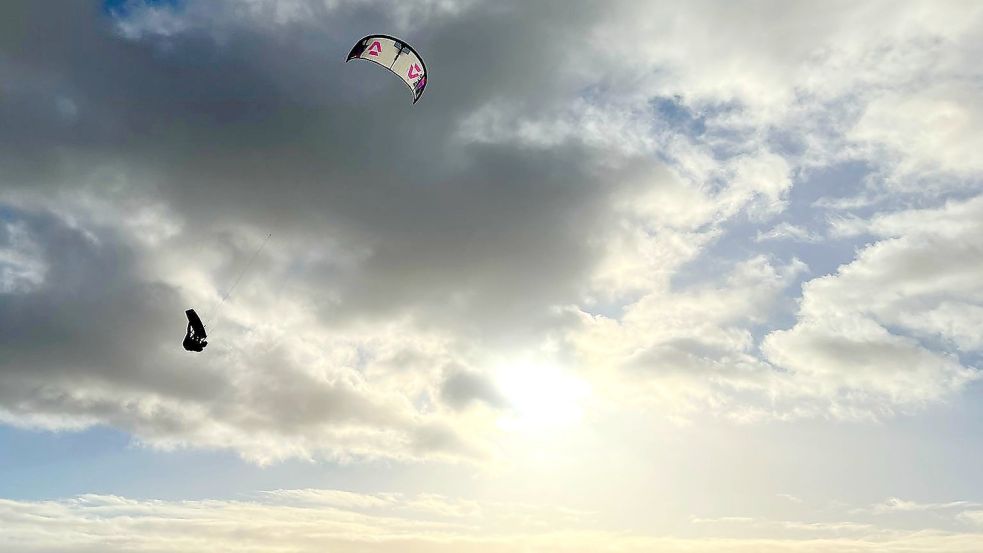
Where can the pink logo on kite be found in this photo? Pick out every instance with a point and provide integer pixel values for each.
(414, 71)
(375, 49)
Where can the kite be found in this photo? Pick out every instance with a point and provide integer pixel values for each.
(396, 56)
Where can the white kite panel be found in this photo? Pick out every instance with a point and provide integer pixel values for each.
(409, 67)
(380, 50)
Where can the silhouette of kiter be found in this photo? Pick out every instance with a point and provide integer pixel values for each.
(195, 338)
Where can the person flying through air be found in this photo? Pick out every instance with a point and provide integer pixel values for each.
(194, 340)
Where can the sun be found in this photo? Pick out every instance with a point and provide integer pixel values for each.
(541, 396)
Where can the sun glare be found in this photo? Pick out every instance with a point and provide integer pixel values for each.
(541, 396)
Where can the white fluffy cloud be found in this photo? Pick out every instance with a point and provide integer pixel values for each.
(887, 328)
(689, 349)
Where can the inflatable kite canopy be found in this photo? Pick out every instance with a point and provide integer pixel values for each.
(396, 56)
(196, 324)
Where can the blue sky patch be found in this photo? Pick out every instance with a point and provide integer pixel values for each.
(123, 8)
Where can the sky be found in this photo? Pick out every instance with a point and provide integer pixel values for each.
(630, 276)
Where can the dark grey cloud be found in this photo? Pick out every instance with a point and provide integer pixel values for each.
(380, 210)
(92, 319)
(97, 342)
(242, 121)
(462, 387)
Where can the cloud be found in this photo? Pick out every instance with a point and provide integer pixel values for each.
(936, 135)
(972, 517)
(383, 523)
(787, 231)
(462, 387)
(896, 505)
(334, 341)
(547, 194)
(690, 350)
(833, 528)
(866, 331)
(270, 395)
(21, 269)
